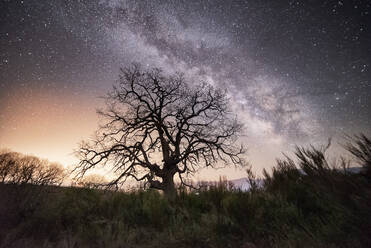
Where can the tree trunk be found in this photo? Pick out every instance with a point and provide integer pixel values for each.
(169, 186)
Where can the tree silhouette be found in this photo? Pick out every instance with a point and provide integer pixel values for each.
(92, 181)
(158, 126)
(16, 168)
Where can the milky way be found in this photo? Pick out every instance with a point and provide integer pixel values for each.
(297, 72)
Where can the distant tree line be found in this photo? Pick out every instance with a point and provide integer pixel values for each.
(17, 168)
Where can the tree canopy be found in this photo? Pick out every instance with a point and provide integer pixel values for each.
(156, 126)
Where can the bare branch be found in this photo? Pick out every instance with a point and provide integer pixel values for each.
(162, 126)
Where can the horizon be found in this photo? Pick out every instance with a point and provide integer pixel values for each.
(297, 73)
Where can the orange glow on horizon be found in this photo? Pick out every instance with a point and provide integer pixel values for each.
(47, 124)
(50, 125)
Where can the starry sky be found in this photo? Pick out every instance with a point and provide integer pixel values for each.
(298, 72)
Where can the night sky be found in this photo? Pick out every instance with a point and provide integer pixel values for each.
(298, 72)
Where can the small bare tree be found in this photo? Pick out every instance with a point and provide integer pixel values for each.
(92, 181)
(157, 126)
(8, 164)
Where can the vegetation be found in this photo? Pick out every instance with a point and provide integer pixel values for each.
(16, 168)
(304, 202)
(157, 127)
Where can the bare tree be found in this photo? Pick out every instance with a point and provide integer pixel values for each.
(157, 126)
(93, 181)
(8, 164)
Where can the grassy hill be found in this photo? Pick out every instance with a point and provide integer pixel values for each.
(324, 207)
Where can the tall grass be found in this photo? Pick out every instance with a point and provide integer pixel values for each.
(304, 202)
